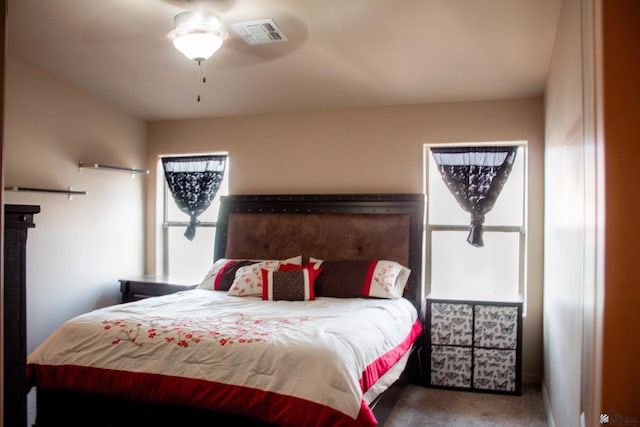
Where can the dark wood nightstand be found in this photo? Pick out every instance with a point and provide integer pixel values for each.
(141, 287)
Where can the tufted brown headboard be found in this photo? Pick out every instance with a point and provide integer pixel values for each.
(331, 227)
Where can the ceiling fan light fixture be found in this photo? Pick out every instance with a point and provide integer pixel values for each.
(198, 46)
(198, 34)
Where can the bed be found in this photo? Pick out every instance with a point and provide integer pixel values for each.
(268, 336)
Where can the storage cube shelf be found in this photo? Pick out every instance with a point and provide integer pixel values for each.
(474, 345)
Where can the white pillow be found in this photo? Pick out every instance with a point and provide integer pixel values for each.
(297, 260)
(388, 280)
(248, 280)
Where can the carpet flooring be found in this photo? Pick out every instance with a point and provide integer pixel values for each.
(425, 407)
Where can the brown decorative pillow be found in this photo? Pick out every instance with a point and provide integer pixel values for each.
(289, 285)
(358, 279)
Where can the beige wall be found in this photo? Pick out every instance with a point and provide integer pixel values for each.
(571, 237)
(79, 247)
(362, 151)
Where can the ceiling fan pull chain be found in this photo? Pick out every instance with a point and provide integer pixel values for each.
(204, 76)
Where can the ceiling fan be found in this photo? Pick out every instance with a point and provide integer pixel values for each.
(239, 32)
(199, 32)
(143, 33)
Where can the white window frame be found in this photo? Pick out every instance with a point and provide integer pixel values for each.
(167, 198)
(520, 230)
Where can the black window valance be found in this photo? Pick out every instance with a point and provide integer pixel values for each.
(194, 182)
(475, 176)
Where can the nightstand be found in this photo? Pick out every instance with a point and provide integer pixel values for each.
(141, 287)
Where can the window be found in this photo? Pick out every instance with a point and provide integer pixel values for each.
(184, 259)
(456, 269)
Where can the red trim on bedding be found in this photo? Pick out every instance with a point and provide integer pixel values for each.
(382, 364)
(366, 287)
(267, 406)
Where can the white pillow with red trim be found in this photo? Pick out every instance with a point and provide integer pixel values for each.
(222, 274)
(248, 280)
(388, 280)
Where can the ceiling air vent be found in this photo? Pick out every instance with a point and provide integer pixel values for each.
(260, 32)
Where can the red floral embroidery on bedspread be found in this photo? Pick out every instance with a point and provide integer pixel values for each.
(239, 329)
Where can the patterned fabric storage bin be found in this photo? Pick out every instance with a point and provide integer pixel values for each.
(451, 366)
(474, 345)
(494, 369)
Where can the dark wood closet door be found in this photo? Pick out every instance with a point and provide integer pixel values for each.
(17, 220)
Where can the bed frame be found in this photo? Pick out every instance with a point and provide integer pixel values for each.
(332, 227)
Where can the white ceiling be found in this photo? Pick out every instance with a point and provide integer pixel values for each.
(340, 53)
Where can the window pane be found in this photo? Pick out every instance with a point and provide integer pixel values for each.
(459, 270)
(443, 207)
(508, 209)
(173, 213)
(190, 260)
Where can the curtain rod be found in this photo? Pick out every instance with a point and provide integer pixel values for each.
(69, 192)
(113, 168)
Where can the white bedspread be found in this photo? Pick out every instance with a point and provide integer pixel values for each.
(308, 355)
